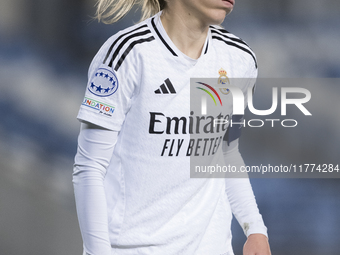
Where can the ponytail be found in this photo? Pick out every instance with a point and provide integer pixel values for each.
(110, 11)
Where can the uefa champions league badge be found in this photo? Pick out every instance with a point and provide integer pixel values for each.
(104, 83)
(223, 79)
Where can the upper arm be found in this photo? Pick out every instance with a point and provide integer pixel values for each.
(109, 92)
(95, 149)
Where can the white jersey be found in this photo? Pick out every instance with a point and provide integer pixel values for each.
(139, 85)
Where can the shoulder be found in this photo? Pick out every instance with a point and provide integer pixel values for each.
(225, 40)
(123, 44)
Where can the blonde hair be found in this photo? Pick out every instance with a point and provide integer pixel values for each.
(110, 11)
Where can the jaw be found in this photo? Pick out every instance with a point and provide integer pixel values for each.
(200, 12)
(216, 17)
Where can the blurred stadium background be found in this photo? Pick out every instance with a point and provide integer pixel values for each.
(45, 49)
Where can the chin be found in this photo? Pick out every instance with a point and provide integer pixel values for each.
(219, 16)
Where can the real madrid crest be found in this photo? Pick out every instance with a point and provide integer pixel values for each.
(223, 79)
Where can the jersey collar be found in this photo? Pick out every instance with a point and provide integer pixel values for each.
(160, 32)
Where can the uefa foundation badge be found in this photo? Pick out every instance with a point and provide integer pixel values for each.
(104, 83)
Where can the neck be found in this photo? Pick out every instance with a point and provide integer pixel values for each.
(185, 31)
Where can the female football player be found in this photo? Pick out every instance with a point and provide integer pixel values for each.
(133, 190)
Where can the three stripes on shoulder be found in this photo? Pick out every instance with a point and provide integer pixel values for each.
(142, 34)
(136, 38)
(224, 36)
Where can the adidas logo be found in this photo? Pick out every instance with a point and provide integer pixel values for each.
(166, 88)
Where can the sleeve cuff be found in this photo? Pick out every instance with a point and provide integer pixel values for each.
(254, 227)
(93, 118)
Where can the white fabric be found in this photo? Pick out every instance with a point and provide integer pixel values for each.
(241, 196)
(95, 147)
(133, 189)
